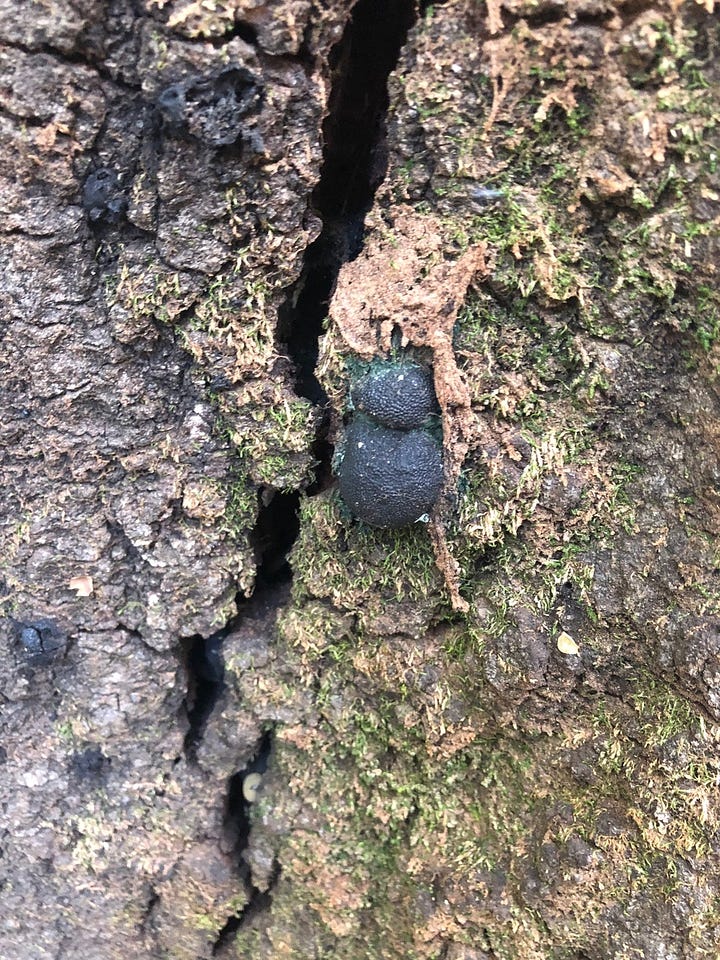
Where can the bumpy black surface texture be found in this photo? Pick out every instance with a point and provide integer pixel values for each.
(389, 478)
(102, 196)
(211, 108)
(400, 396)
(40, 642)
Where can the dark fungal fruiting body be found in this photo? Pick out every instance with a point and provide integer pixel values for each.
(389, 478)
(400, 396)
(40, 642)
(391, 467)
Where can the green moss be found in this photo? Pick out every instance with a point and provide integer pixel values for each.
(150, 292)
(316, 629)
(516, 338)
(655, 762)
(351, 563)
(273, 436)
(390, 808)
(534, 248)
(466, 641)
(241, 510)
(702, 317)
(662, 713)
(235, 308)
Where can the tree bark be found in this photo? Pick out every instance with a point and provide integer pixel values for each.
(234, 719)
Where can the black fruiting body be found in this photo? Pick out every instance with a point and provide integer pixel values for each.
(391, 467)
(389, 478)
(40, 642)
(103, 199)
(399, 395)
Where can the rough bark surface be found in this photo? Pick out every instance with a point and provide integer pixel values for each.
(492, 737)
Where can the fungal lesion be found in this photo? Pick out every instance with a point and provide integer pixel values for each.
(215, 108)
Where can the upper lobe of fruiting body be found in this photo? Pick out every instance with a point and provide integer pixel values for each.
(400, 395)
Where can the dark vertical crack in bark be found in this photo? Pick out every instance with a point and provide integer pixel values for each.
(275, 531)
(238, 824)
(354, 165)
(237, 814)
(205, 671)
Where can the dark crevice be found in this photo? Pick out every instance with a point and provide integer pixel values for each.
(246, 32)
(241, 29)
(556, 14)
(544, 17)
(595, 19)
(274, 534)
(354, 165)
(260, 902)
(354, 131)
(237, 813)
(238, 825)
(631, 9)
(146, 922)
(28, 122)
(205, 671)
(276, 529)
(152, 901)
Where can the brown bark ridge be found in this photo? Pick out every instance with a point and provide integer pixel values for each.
(235, 721)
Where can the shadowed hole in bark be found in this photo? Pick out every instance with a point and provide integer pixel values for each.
(89, 766)
(275, 532)
(205, 670)
(245, 31)
(544, 17)
(595, 19)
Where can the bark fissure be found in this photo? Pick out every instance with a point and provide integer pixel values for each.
(260, 902)
(274, 533)
(238, 824)
(205, 671)
(353, 168)
(237, 816)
